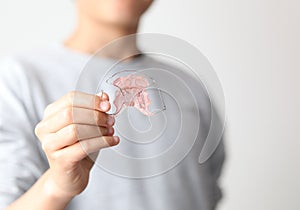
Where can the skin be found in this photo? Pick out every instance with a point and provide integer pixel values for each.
(101, 21)
(76, 125)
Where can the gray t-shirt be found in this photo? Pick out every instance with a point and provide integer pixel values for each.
(30, 81)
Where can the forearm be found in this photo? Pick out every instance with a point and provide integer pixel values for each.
(41, 196)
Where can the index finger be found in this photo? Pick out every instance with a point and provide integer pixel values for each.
(81, 100)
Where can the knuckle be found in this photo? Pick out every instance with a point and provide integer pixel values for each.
(73, 131)
(37, 130)
(47, 109)
(71, 94)
(47, 146)
(70, 97)
(56, 156)
(68, 114)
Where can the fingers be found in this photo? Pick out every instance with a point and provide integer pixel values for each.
(74, 115)
(82, 149)
(75, 126)
(71, 134)
(81, 100)
(103, 96)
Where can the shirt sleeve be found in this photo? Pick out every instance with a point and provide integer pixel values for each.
(21, 159)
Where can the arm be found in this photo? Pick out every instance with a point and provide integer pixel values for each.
(42, 195)
(73, 127)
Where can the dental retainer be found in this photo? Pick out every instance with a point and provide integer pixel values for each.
(132, 88)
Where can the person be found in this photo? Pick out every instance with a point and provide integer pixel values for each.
(43, 164)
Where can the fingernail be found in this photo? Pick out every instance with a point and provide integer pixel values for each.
(100, 94)
(116, 139)
(104, 105)
(110, 120)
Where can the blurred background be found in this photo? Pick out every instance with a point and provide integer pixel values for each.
(254, 47)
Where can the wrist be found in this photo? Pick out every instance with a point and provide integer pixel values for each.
(54, 193)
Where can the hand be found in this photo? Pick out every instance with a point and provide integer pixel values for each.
(72, 128)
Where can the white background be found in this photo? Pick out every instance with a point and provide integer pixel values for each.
(254, 47)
